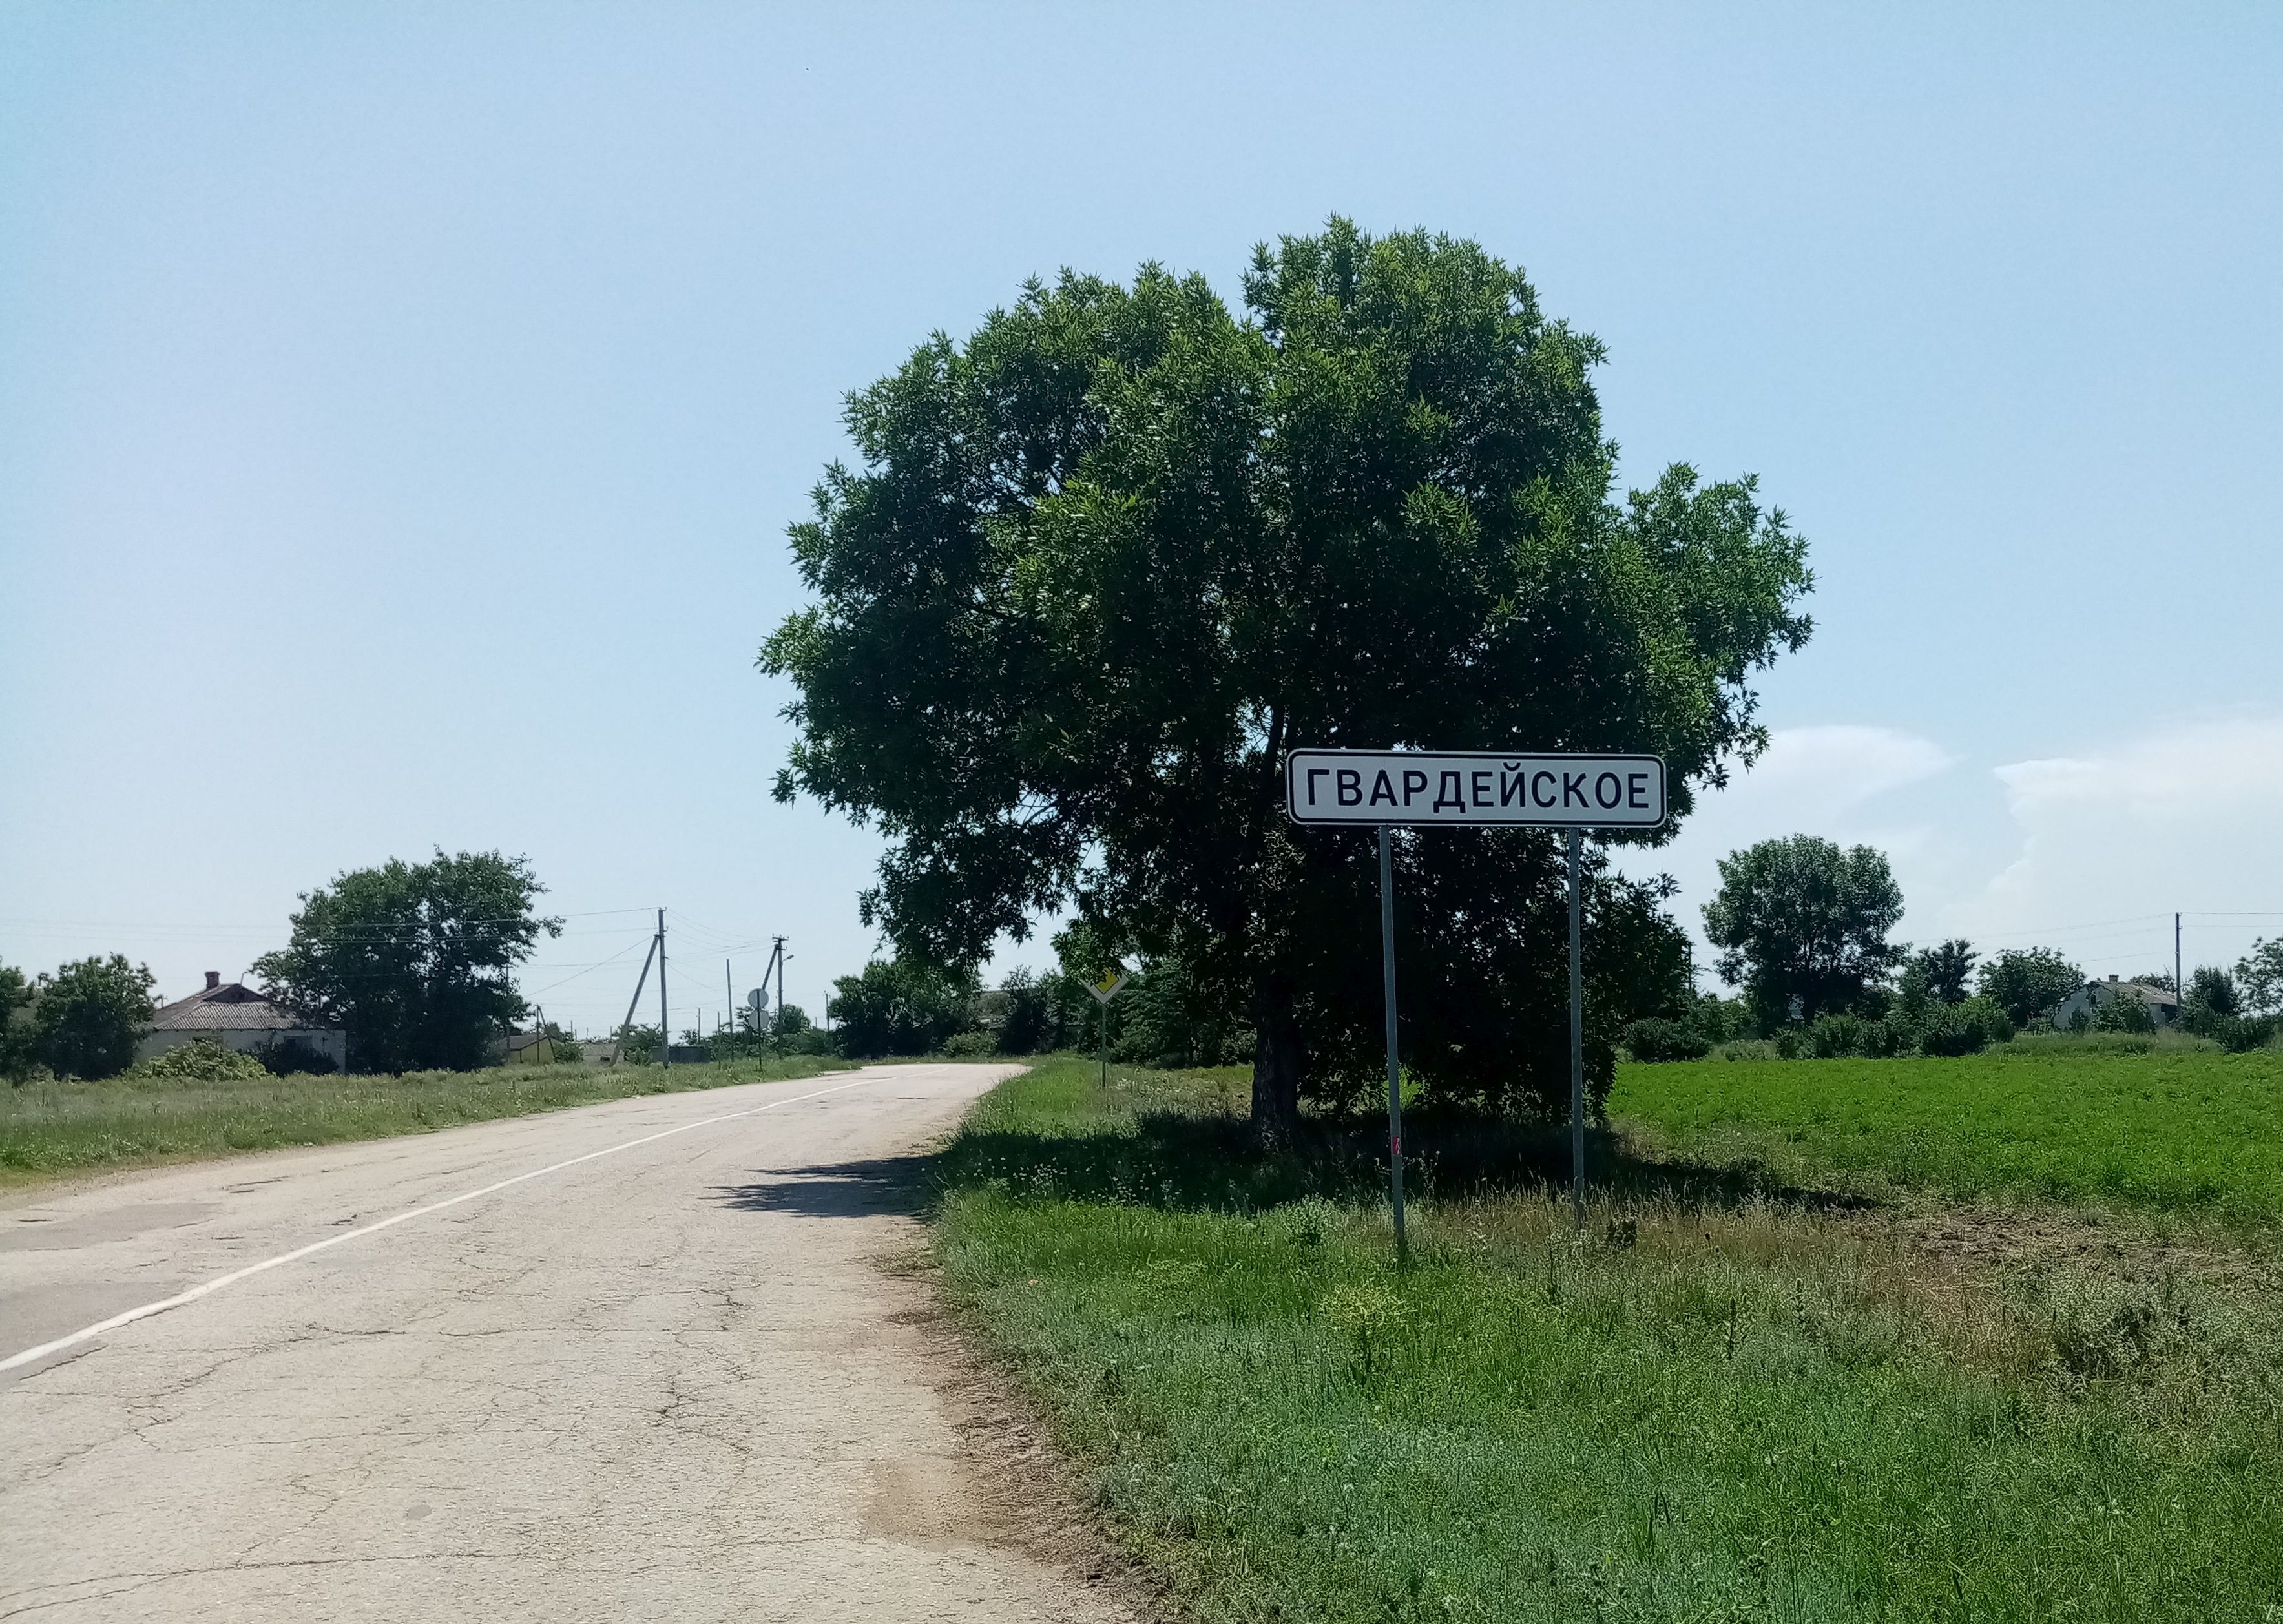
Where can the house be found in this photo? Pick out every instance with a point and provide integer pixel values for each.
(237, 1017)
(2163, 1007)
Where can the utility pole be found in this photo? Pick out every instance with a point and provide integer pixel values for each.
(729, 1003)
(618, 1042)
(665, 1033)
(779, 944)
(2179, 987)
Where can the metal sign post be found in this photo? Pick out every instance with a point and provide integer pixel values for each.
(1477, 789)
(1108, 988)
(1394, 1068)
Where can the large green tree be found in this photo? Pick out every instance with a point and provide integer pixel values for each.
(1107, 561)
(88, 1016)
(1803, 926)
(415, 960)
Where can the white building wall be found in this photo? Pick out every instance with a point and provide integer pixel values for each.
(333, 1044)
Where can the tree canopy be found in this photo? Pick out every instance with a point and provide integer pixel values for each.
(415, 960)
(2027, 981)
(1947, 967)
(900, 1006)
(15, 1022)
(1800, 919)
(88, 1017)
(2259, 977)
(1105, 562)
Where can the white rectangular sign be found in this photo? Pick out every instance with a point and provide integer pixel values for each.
(1483, 787)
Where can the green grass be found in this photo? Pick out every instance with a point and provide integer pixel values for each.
(2165, 1129)
(1716, 1406)
(52, 1127)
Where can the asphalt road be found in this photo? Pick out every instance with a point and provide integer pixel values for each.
(671, 1380)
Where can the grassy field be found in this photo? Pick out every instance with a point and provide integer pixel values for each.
(47, 1129)
(1717, 1405)
(2168, 1128)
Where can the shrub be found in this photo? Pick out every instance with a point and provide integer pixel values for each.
(1837, 1037)
(1962, 1029)
(2121, 1012)
(971, 1046)
(1791, 1043)
(2238, 1034)
(1657, 1040)
(204, 1060)
(1719, 1020)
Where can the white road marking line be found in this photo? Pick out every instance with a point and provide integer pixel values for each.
(196, 1292)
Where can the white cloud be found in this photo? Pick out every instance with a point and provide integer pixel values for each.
(1839, 780)
(2112, 842)
(1817, 773)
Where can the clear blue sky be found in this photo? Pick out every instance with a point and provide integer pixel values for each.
(401, 409)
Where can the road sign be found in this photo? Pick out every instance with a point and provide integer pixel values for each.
(1107, 988)
(1478, 790)
(1460, 789)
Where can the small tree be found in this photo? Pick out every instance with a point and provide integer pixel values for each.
(2259, 977)
(16, 1055)
(1800, 919)
(2211, 993)
(1947, 968)
(88, 1017)
(1041, 1011)
(2027, 983)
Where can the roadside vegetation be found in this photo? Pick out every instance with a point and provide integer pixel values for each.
(166, 1112)
(1734, 1398)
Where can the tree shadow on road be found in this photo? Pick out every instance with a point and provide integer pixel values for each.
(864, 1189)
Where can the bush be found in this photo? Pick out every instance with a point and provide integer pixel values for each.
(204, 1060)
(970, 1046)
(2121, 1012)
(1719, 1020)
(1792, 1044)
(1655, 1040)
(1837, 1036)
(1963, 1028)
(2238, 1034)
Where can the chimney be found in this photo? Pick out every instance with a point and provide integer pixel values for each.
(213, 979)
(2112, 977)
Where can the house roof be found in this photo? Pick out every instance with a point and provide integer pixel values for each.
(2149, 994)
(234, 1009)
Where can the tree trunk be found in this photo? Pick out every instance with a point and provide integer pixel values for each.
(1280, 1056)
